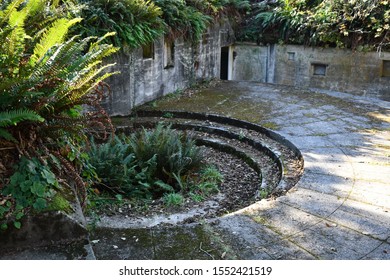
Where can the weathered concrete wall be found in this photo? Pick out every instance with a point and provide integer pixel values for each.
(324, 68)
(250, 63)
(144, 79)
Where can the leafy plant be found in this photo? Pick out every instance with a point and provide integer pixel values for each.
(13, 117)
(183, 19)
(176, 152)
(173, 199)
(31, 186)
(208, 182)
(136, 22)
(355, 24)
(46, 79)
(119, 171)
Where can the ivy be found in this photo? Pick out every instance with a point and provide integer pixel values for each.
(31, 186)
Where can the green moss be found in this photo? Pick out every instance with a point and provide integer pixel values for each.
(270, 125)
(59, 203)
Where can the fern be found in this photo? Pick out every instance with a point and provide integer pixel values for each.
(45, 77)
(54, 35)
(14, 117)
(7, 13)
(6, 135)
(136, 22)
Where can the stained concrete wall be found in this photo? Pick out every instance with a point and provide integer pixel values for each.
(361, 73)
(249, 62)
(142, 80)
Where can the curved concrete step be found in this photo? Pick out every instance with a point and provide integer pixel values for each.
(284, 160)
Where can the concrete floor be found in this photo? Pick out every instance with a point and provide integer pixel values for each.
(340, 207)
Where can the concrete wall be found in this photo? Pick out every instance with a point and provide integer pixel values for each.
(144, 79)
(250, 63)
(324, 68)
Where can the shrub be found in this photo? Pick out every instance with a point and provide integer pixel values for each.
(207, 182)
(176, 152)
(355, 24)
(31, 187)
(136, 22)
(173, 199)
(119, 171)
(152, 164)
(183, 19)
(46, 78)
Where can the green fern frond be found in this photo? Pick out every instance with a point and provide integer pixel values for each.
(7, 13)
(6, 135)
(54, 35)
(14, 117)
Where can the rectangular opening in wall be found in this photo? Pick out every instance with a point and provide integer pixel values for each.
(385, 68)
(148, 51)
(224, 73)
(169, 53)
(319, 69)
(291, 55)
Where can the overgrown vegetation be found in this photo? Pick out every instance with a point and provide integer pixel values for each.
(136, 22)
(356, 24)
(46, 77)
(153, 163)
(183, 20)
(139, 22)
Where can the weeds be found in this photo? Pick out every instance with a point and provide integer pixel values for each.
(173, 199)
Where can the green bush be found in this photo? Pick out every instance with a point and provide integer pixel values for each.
(152, 164)
(183, 19)
(356, 24)
(206, 183)
(173, 199)
(119, 171)
(46, 77)
(136, 22)
(176, 152)
(31, 187)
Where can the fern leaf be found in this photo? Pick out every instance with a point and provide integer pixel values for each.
(9, 118)
(7, 13)
(54, 35)
(6, 135)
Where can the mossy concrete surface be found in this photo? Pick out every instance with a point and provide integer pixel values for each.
(340, 207)
(58, 233)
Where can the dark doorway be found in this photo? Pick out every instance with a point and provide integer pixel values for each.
(224, 63)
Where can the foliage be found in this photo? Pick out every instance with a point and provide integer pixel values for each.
(136, 22)
(46, 78)
(190, 18)
(342, 23)
(206, 183)
(31, 186)
(182, 19)
(150, 164)
(140, 22)
(175, 152)
(119, 171)
(13, 117)
(173, 199)
(49, 82)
